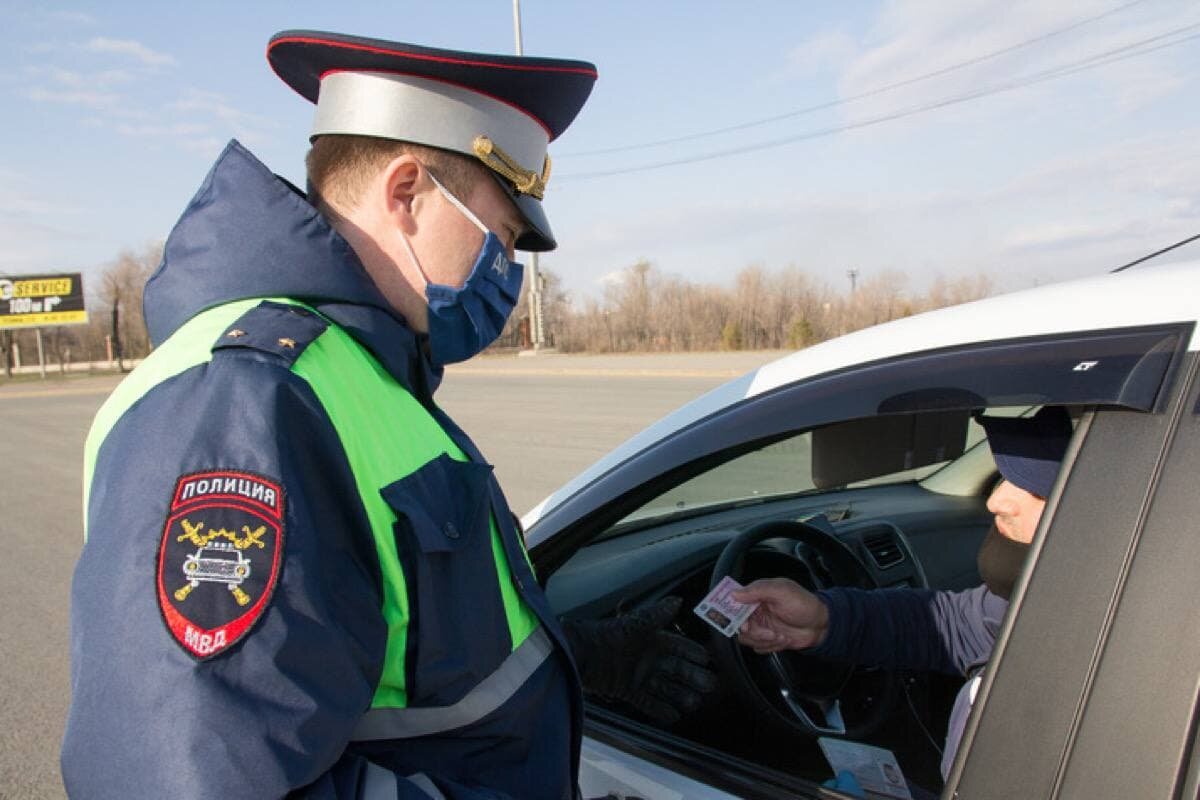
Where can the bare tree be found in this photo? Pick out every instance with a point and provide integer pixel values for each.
(946, 292)
(556, 305)
(880, 298)
(121, 286)
(750, 312)
(629, 300)
(692, 317)
(646, 310)
(63, 344)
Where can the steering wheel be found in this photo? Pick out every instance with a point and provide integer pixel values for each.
(805, 693)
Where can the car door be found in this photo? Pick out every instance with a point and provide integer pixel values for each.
(1127, 378)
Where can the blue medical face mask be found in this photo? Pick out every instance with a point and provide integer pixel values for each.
(464, 320)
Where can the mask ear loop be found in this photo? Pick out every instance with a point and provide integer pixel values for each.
(468, 213)
(457, 204)
(412, 256)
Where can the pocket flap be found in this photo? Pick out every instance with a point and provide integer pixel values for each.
(442, 500)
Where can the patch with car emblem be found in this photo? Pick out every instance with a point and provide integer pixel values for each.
(219, 558)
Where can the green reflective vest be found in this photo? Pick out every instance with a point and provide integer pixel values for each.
(386, 434)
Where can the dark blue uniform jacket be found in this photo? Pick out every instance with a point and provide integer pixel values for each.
(920, 629)
(273, 714)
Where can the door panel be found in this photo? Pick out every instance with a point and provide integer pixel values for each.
(1136, 727)
(605, 771)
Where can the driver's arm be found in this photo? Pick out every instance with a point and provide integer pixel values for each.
(896, 628)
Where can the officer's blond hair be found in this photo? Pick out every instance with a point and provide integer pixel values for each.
(341, 166)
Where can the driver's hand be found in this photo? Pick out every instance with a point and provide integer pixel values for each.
(635, 659)
(788, 617)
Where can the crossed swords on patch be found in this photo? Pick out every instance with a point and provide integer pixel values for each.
(211, 562)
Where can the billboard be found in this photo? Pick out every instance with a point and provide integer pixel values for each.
(29, 301)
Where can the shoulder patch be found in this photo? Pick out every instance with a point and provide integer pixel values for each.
(281, 329)
(219, 558)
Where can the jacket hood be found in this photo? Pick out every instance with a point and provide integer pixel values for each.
(248, 233)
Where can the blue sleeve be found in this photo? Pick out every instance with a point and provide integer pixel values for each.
(911, 628)
(270, 714)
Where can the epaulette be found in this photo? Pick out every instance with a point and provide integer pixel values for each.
(280, 329)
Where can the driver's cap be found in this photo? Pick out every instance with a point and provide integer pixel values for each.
(1029, 450)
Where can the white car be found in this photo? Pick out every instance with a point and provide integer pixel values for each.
(863, 451)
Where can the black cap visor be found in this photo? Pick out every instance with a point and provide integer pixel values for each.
(538, 238)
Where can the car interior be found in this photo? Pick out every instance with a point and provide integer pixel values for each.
(891, 500)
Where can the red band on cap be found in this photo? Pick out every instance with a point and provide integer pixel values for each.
(591, 73)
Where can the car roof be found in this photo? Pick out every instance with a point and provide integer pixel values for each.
(1144, 296)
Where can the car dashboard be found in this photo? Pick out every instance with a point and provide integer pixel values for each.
(903, 535)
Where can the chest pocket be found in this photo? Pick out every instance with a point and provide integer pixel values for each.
(458, 632)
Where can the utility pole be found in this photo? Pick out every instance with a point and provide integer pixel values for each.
(537, 330)
(5, 349)
(41, 352)
(853, 274)
(517, 25)
(116, 331)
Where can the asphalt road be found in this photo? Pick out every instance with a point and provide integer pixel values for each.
(539, 420)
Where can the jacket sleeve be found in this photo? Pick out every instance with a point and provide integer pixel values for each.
(911, 628)
(270, 712)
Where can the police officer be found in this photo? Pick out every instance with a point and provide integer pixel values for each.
(300, 576)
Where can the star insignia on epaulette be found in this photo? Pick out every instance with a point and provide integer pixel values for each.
(288, 343)
(235, 333)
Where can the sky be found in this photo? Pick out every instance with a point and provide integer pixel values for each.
(1028, 141)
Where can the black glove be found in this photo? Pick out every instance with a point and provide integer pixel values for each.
(632, 658)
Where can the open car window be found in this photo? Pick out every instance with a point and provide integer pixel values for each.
(785, 468)
(779, 469)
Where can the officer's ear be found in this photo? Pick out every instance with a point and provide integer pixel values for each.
(402, 191)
